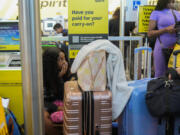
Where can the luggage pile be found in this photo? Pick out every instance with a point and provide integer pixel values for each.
(151, 103)
(88, 107)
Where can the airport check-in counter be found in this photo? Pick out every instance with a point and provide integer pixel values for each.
(11, 83)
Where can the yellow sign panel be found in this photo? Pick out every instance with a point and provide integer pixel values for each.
(144, 16)
(9, 47)
(73, 54)
(88, 16)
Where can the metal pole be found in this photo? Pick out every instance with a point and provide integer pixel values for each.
(31, 58)
(145, 60)
(122, 22)
(140, 60)
(130, 55)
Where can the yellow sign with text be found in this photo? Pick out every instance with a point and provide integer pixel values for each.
(9, 47)
(73, 54)
(88, 16)
(53, 8)
(144, 16)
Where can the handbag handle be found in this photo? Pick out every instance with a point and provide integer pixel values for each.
(176, 52)
(175, 17)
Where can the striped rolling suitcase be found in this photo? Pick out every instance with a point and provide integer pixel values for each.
(87, 113)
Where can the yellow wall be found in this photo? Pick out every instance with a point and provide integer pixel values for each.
(11, 87)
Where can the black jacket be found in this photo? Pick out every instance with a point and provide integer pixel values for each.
(114, 28)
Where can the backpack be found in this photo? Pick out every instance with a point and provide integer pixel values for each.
(13, 126)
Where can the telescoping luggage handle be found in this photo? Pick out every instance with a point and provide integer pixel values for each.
(136, 52)
(175, 53)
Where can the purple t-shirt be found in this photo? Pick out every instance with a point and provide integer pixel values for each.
(165, 18)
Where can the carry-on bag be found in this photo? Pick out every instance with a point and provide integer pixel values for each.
(13, 126)
(175, 54)
(163, 94)
(92, 72)
(171, 59)
(86, 112)
(136, 119)
(163, 100)
(177, 119)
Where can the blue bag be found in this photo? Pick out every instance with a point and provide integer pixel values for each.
(13, 127)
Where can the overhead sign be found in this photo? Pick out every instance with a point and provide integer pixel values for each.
(53, 8)
(49, 9)
(136, 3)
(87, 20)
(144, 16)
(132, 9)
(9, 9)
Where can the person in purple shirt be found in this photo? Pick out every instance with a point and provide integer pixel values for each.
(162, 22)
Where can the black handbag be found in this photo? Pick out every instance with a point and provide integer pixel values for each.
(163, 97)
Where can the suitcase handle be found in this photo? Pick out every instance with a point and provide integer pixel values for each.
(136, 67)
(176, 52)
(142, 49)
(114, 124)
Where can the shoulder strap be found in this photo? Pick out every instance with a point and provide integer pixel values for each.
(175, 17)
